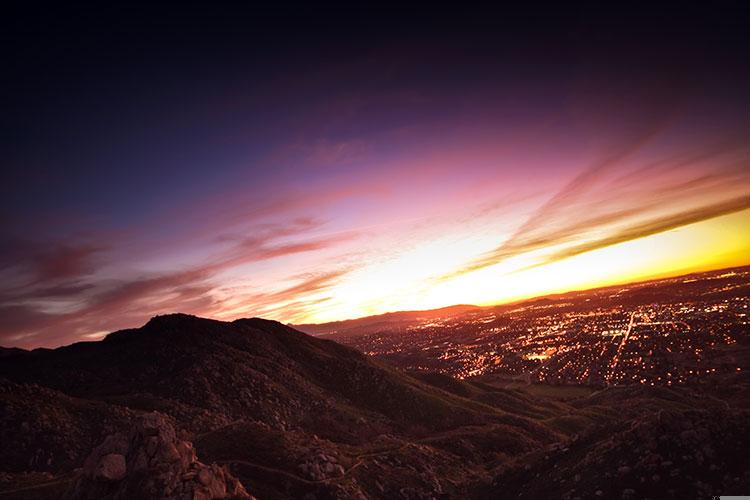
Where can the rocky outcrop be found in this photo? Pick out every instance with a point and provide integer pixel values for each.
(319, 466)
(151, 463)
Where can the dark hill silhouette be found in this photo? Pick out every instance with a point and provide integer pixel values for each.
(213, 377)
(207, 371)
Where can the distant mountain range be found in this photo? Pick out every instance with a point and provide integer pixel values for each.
(389, 320)
(274, 413)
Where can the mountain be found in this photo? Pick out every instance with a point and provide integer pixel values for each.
(384, 321)
(296, 401)
(151, 462)
(280, 414)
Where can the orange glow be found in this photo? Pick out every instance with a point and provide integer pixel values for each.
(406, 282)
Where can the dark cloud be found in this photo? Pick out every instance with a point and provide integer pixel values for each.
(51, 261)
(63, 290)
(104, 304)
(18, 318)
(64, 261)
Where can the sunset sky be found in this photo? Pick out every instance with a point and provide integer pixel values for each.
(308, 170)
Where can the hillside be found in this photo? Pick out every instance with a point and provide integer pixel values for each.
(291, 415)
(252, 378)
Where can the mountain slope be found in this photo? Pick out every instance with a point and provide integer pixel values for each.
(259, 379)
(294, 416)
(206, 370)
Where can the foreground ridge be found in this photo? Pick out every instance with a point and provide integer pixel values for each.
(294, 416)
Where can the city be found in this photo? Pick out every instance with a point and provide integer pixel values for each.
(665, 332)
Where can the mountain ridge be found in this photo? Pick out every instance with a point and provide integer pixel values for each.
(291, 415)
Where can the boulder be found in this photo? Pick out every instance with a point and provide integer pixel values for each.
(151, 463)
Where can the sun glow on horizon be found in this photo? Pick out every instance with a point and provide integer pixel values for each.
(408, 280)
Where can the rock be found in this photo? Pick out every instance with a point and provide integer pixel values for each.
(151, 445)
(151, 463)
(111, 467)
(320, 466)
(205, 477)
(169, 453)
(689, 436)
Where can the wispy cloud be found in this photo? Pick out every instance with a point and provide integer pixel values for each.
(291, 302)
(65, 296)
(617, 200)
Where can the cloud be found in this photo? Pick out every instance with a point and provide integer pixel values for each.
(312, 283)
(48, 261)
(289, 303)
(63, 290)
(38, 269)
(20, 317)
(650, 227)
(65, 261)
(255, 249)
(617, 200)
(67, 278)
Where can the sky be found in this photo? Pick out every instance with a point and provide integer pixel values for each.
(312, 164)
